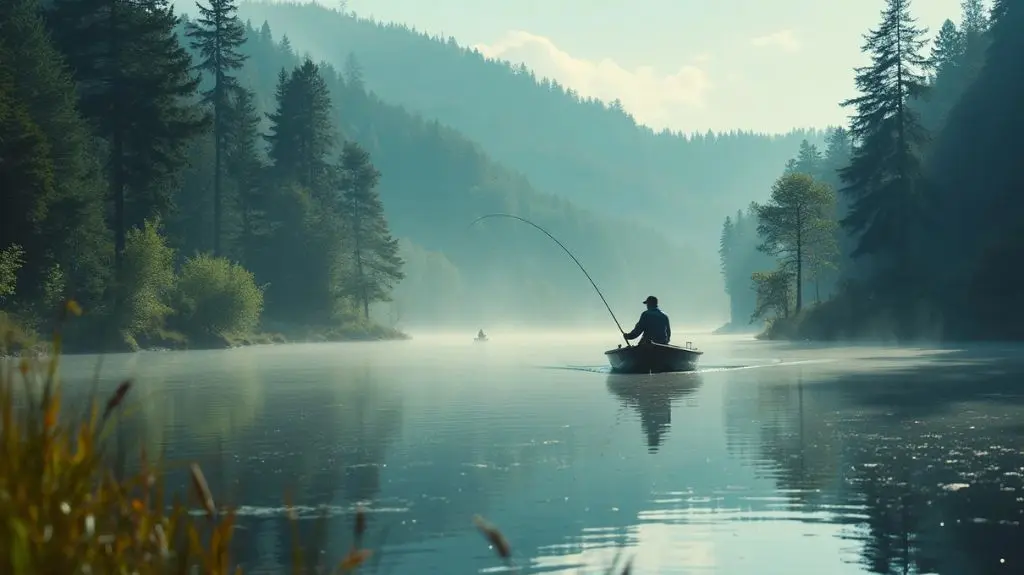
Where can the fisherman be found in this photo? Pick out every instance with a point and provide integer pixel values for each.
(480, 335)
(653, 325)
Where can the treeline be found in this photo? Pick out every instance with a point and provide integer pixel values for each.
(263, 224)
(590, 152)
(914, 212)
(102, 107)
(744, 257)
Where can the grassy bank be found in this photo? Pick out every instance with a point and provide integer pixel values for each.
(93, 337)
(71, 507)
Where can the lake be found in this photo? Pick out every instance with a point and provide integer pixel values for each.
(774, 458)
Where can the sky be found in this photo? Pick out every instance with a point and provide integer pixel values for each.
(688, 65)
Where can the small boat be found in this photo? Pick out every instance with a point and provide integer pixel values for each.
(480, 337)
(653, 358)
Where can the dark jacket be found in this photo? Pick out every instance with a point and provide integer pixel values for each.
(654, 325)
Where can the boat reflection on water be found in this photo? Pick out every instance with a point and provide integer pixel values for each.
(652, 396)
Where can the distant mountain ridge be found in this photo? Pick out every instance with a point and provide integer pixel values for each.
(435, 182)
(585, 151)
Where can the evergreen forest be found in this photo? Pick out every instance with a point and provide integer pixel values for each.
(904, 225)
(272, 171)
(196, 181)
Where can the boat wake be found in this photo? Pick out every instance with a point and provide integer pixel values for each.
(708, 369)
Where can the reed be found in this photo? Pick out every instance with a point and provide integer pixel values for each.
(69, 508)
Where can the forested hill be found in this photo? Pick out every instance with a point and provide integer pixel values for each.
(583, 150)
(435, 182)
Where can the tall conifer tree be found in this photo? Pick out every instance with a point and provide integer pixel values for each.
(136, 85)
(883, 179)
(217, 34)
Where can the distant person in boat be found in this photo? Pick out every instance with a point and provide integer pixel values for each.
(653, 325)
(480, 335)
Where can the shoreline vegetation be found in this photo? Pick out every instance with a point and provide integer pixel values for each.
(106, 206)
(72, 506)
(906, 227)
(20, 339)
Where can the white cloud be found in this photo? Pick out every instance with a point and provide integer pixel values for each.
(653, 98)
(784, 40)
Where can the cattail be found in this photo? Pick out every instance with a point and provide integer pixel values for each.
(494, 537)
(202, 490)
(116, 399)
(360, 527)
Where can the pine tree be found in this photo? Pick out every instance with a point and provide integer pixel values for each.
(354, 73)
(244, 167)
(302, 135)
(948, 73)
(301, 209)
(725, 249)
(883, 179)
(838, 149)
(376, 265)
(135, 84)
(974, 27)
(808, 159)
(948, 50)
(218, 34)
(26, 171)
(974, 21)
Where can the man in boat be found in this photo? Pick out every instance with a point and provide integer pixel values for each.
(653, 325)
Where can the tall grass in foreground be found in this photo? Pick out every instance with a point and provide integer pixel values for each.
(66, 508)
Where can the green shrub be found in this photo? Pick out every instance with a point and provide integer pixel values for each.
(54, 286)
(217, 297)
(146, 281)
(11, 259)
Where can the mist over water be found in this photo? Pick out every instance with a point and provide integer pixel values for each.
(855, 459)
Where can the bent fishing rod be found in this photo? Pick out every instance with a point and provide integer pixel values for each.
(568, 253)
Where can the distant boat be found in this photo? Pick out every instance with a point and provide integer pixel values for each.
(653, 358)
(480, 337)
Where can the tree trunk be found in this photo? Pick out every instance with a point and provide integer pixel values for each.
(799, 262)
(218, 133)
(218, 147)
(117, 175)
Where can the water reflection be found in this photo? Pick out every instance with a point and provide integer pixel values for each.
(918, 463)
(877, 466)
(652, 397)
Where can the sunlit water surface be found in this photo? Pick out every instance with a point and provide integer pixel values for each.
(773, 458)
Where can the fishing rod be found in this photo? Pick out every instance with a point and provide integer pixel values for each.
(569, 253)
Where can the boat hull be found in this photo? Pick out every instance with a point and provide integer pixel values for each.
(653, 358)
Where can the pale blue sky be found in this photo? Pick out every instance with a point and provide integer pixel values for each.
(684, 64)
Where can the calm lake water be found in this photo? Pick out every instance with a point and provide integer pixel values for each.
(774, 458)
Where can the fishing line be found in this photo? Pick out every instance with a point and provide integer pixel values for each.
(569, 253)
